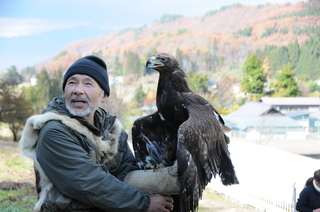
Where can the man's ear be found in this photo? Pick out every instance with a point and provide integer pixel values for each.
(105, 97)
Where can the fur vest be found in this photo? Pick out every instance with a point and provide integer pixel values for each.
(104, 148)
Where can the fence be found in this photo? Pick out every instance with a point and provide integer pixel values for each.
(270, 179)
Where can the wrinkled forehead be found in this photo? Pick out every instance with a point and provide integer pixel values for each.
(81, 77)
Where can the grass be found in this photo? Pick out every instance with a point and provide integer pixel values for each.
(211, 197)
(13, 166)
(213, 201)
(18, 199)
(17, 186)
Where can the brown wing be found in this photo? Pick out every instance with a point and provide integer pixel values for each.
(202, 151)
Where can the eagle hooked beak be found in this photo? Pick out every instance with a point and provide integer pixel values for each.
(153, 62)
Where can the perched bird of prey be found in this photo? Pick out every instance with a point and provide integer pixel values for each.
(185, 131)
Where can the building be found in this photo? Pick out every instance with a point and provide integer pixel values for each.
(293, 104)
(259, 121)
(310, 120)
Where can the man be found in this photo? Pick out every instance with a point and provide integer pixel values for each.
(80, 151)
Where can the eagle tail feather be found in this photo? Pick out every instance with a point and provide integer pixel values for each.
(226, 172)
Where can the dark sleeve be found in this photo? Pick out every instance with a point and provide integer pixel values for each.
(128, 162)
(75, 174)
(302, 202)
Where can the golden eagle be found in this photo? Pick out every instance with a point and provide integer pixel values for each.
(186, 131)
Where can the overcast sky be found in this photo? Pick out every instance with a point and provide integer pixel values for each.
(34, 30)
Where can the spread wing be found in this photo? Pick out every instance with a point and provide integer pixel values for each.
(202, 151)
(149, 139)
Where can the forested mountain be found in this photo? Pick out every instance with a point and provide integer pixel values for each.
(218, 40)
(231, 55)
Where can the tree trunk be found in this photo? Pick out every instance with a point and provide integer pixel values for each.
(14, 133)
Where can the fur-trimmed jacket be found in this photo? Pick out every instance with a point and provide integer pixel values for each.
(79, 166)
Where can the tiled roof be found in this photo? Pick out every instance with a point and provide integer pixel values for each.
(298, 113)
(290, 100)
(256, 114)
(315, 114)
(252, 108)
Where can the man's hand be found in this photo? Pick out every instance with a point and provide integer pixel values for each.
(160, 204)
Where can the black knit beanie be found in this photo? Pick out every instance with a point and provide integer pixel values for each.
(92, 66)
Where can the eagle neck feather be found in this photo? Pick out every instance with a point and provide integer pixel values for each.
(163, 83)
(179, 81)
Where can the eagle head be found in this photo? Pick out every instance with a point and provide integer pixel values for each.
(161, 62)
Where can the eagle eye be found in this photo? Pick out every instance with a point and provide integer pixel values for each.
(163, 60)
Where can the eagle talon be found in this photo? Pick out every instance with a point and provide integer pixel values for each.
(149, 166)
(158, 166)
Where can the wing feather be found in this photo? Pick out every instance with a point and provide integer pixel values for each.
(202, 151)
(148, 140)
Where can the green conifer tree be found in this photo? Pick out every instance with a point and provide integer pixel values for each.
(294, 53)
(253, 81)
(12, 77)
(285, 84)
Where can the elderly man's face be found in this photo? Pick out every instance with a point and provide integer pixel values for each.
(83, 96)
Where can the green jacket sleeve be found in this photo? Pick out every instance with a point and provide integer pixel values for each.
(64, 156)
(126, 161)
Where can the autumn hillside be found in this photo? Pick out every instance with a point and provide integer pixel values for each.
(217, 40)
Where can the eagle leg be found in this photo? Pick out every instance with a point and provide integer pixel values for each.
(149, 166)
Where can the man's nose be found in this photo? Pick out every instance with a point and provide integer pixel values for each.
(79, 89)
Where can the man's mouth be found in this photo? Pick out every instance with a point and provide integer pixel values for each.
(78, 102)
